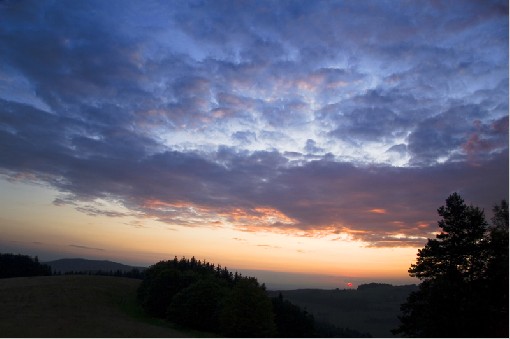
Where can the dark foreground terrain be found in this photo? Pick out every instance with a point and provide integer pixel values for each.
(372, 308)
(76, 306)
(105, 306)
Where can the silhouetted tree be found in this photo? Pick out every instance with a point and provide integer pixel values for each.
(203, 296)
(464, 273)
(199, 305)
(247, 311)
(290, 320)
(19, 265)
(162, 281)
(496, 280)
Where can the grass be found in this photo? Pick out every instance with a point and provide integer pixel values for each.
(77, 306)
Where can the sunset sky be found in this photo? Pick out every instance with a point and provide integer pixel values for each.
(315, 137)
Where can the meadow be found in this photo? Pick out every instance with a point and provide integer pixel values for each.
(77, 306)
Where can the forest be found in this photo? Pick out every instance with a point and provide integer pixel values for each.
(19, 265)
(199, 295)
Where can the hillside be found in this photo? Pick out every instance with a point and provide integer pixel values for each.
(75, 306)
(372, 308)
(87, 265)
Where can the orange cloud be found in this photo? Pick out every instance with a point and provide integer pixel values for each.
(378, 211)
(249, 219)
(258, 216)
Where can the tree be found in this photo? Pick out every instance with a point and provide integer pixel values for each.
(198, 306)
(464, 273)
(497, 270)
(291, 321)
(202, 296)
(161, 283)
(247, 311)
(20, 265)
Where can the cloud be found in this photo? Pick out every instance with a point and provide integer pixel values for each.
(265, 246)
(245, 137)
(257, 191)
(92, 211)
(442, 136)
(304, 118)
(87, 248)
(311, 147)
(250, 190)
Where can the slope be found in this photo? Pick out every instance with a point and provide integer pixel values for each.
(75, 306)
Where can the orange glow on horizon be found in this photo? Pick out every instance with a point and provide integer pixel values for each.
(259, 238)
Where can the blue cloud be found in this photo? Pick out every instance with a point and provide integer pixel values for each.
(320, 110)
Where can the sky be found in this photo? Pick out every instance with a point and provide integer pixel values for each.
(307, 137)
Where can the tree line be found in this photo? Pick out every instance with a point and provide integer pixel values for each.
(19, 265)
(134, 273)
(199, 295)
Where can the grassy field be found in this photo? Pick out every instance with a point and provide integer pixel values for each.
(373, 310)
(76, 306)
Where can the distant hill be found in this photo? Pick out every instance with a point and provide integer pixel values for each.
(85, 265)
(372, 308)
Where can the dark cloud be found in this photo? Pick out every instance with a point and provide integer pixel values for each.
(188, 189)
(371, 124)
(441, 135)
(400, 149)
(87, 248)
(245, 137)
(311, 147)
(181, 115)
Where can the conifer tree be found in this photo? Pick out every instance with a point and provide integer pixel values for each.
(464, 274)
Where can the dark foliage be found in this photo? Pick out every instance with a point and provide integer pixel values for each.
(464, 273)
(371, 310)
(199, 305)
(203, 296)
(371, 286)
(327, 330)
(291, 321)
(18, 265)
(199, 295)
(247, 311)
(89, 266)
(134, 273)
